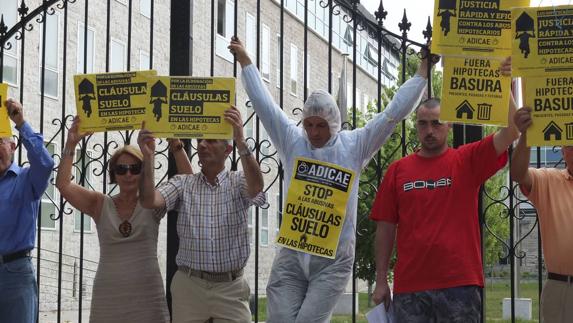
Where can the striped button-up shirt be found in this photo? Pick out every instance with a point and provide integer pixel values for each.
(213, 220)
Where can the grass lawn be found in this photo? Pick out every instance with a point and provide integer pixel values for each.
(495, 293)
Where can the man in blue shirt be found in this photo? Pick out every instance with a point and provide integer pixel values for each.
(20, 192)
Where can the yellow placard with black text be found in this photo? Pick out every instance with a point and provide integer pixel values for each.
(190, 107)
(542, 41)
(474, 91)
(315, 208)
(473, 27)
(5, 128)
(551, 101)
(112, 101)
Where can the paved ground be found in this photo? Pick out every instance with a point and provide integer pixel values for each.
(66, 317)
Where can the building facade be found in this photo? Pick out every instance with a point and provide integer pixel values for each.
(120, 40)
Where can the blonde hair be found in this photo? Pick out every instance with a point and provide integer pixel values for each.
(128, 149)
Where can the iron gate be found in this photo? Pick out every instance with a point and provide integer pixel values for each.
(44, 38)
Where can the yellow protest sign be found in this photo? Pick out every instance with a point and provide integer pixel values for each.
(474, 91)
(542, 40)
(5, 128)
(187, 107)
(112, 101)
(315, 208)
(473, 27)
(551, 101)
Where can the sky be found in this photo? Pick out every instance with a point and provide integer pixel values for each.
(418, 11)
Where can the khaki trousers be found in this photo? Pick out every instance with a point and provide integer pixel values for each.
(196, 300)
(557, 302)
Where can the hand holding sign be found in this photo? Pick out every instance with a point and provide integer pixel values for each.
(233, 116)
(74, 135)
(522, 119)
(505, 67)
(146, 142)
(15, 112)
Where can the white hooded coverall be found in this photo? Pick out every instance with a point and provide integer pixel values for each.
(304, 288)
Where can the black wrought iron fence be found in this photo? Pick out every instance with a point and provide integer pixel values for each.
(37, 52)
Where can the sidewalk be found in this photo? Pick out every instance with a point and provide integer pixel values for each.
(66, 317)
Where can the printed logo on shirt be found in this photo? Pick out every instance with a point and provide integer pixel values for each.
(428, 184)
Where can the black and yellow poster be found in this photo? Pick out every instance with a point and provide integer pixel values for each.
(112, 101)
(473, 27)
(185, 107)
(474, 91)
(5, 128)
(315, 208)
(542, 40)
(551, 101)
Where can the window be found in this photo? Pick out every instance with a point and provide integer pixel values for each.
(145, 8)
(264, 231)
(371, 55)
(90, 50)
(266, 53)
(251, 225)
(123, 2)
(51, 55)
(225, 28)
(293, 69)
(8, 10)
(279, 51)
(144, 61)
(88, 173)
(348, 35)
(250, 36)
(47, 203)
(279, 212)
(264, 226)
(118, 57)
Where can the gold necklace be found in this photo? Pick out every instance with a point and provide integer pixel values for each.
(125, 227)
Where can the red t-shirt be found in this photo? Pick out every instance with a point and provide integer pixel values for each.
(434, 203)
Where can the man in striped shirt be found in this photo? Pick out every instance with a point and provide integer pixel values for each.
(212, 226)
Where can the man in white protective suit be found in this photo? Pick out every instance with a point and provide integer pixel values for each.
(310, 273)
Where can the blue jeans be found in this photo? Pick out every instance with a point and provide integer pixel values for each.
(18, 292)
(453, 305)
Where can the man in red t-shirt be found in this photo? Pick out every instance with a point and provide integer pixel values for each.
(429, 200)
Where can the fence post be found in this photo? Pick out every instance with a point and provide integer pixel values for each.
(179, 65)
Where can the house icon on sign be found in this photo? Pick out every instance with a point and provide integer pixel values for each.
(465, 108)
(552, 129)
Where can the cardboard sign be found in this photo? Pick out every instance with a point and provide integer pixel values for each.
(5, 128)
(112, 101)
(473, 27)
(551, 99)
(542, 40)
(185, 107)
(474, 91)
(315, 208)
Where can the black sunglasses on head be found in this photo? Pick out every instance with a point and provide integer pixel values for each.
(135, 169)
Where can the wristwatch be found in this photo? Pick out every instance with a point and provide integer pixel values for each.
(245, 152)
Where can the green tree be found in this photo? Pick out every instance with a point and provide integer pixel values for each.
(370, 178)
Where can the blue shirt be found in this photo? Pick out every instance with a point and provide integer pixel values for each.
(20, 192)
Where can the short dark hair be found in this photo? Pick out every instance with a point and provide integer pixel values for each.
(430, 103)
